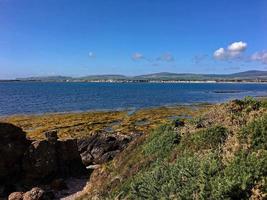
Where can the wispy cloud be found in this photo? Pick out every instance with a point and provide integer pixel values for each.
(166, 57)
(260, 57)
(138, 56)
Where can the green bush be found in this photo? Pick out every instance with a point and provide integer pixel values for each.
(188, 178)
(210, 137)
(256, 133)
(161, 142)
(238, 178)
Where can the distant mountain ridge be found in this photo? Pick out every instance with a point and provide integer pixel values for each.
(161, 76)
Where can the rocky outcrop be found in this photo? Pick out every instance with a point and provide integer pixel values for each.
(25, 164)
(101, 148)
(49, 159)
(13, 144)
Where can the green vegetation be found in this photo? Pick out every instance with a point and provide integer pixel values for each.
(189, 161)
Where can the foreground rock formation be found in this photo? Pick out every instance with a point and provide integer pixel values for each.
(26, 164)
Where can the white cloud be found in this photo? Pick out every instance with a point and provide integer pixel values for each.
(237, 46)
(233, 50)
(260, 57)
(219, 54)
(138, 56)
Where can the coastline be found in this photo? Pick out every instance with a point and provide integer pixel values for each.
(81, 124)
(136, 82)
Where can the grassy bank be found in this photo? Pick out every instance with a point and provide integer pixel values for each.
(220, 153)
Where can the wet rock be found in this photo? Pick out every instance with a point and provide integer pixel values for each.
(13, 144)
(16, 196)
(101, 148)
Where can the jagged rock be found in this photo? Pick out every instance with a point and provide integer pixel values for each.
(13, 144)
(45, 160)
(69, 159)
(40, 161)
(16, 196)
(101, 148)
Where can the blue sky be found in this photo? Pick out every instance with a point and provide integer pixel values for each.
(83, 37)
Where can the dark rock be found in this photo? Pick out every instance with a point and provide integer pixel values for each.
(178, 123)
(45, 161)
(51, 136)
(58, 184)
(40, 162)
(69, 159)
(13, 144)
(16, 196)
(101, 148)
(6, 189)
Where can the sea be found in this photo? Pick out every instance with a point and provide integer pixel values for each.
(56, 97)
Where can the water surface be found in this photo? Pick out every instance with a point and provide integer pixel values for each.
(37, 97)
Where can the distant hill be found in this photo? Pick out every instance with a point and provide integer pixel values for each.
(252, 75)
(104, 77)
(46, 78)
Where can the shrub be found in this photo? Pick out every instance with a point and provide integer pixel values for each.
(188, 178)
(210, 137)
(256, 133)
(238, 178)
(161, 142)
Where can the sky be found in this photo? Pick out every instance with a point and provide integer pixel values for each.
(131, 37)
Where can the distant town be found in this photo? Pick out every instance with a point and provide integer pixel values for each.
(253, 76)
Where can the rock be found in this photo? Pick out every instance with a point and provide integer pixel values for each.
(178, 123)
(13, 144)
(16, 196)
(40, 162)
(45, 161)
(6, 189)
(101, 148)
(69, 159)
(51, 136)
(38, 194)
(58, 184)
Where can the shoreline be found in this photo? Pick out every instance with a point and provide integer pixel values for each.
(131, 110)
(137, 82)
(82, 124)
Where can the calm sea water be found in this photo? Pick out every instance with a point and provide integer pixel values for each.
(36, 98)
